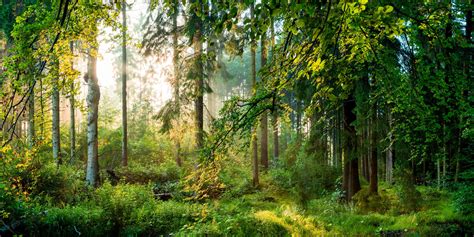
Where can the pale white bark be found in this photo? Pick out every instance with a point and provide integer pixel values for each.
(93, 96)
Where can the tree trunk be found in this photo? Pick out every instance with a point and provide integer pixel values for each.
(56, 136)
(373, 186)
(31, 118)
(93, 97)
(72, 129)
(264, 118)
(124, 86)
(199, 87)
(255, 175)
(390, 153)
(276, 142)
(176, 80)
(351, 183)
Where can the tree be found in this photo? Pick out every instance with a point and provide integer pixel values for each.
(124, 85)
(199, 81)
(56, 137)
(72, 104)
(255, 175)
(264, 118)
(177, 77)
(93, 97)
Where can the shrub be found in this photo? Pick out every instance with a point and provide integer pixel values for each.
(409, 197)
(464, 199)
(118, 202)
(160, 218)
(70, 221)
(63, 184)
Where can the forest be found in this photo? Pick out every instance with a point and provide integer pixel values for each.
(236, 118)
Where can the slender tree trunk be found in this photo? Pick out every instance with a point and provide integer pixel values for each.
(72, 130)
(264, 118)
(176, 80)
(31, 118)
(373, 187)
(199, 86)
(93, 97)
(56, 136)
(467, 72)
(255, 172)
(124, 86)
(351, 183)
(390, 152)
(276, 142)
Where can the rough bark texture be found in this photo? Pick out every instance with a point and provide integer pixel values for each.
(56, 136)
(390, 154)
(199, 87)
(255, 174)
(124, 86)
(373, 186)
(31, 119)
(176, 80)
(276, 142)
(93, 96)
(264, 118)
(72, 129)
(351, 184)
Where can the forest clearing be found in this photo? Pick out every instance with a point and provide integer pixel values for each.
(236, 118)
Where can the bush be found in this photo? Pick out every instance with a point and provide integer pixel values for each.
(119, 201)
(156, 218)
(69, 221)
(60, 185)
(464, 199)
(141, 174)
(409, 197)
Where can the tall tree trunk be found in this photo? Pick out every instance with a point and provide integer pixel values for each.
(176, 79)
(255, 173)
(56, 136)
(390, 152)
(93, 97)
(199, 85)
(276, 142)
(72, 129)
(264, 118)
(373, 187)
(31, 118)
(467, 72)
(351, 183)
(124, 85)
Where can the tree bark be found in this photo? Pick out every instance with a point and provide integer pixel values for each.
(373, 186)
(255, 172)
(264, 118)
(199, 86)
(124, 86)
(276, 142)
(351, 183)
(176, 79)
(56, 136)
(31, 118)
(93, 97)
(72, 129)
(390, 153)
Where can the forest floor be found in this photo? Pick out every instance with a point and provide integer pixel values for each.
(61, 205)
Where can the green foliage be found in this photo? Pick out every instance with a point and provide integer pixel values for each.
(306, 174)
(59, 184)
(70, 221)
(409, 197)
(161, 218)
(464, 199)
